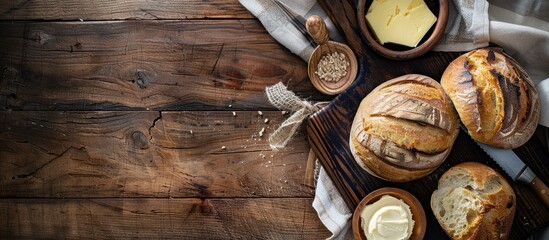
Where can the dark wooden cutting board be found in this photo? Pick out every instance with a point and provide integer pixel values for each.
(328, 132)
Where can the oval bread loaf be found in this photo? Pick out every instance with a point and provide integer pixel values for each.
(474, 202)
(496, 100)
(404, 129)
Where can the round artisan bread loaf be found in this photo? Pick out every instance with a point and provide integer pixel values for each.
(404, 129)
(473, 201)
(496, 100)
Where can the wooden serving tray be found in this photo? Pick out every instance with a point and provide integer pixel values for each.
(328, 132)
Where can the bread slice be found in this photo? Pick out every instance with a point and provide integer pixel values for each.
(459, 210)
(474, 202)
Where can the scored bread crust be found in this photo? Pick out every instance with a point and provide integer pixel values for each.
(404, 129)
(496, 100)
(496, 195)
(380, 169)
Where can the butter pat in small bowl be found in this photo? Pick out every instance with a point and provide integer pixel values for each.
(402, 29)
(389, 213)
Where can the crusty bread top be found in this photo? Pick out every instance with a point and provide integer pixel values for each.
(408, 122)
(469, 184)
(494, 97)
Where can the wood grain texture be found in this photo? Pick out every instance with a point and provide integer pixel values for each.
(219, 218)
(145, 154)
(157, 65)
(329, 134)
(96, 140)
(119, 10)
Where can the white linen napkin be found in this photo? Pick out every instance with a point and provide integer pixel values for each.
(280, 27)
(331, 208)
(467, 26)
(520, 27)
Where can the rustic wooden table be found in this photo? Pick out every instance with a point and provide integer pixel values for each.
(114, 114)
(139, 119)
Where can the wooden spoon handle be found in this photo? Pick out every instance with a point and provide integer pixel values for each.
(317, 29)
(541, 189)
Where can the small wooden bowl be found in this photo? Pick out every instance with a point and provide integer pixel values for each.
(418, 214)
(317, 29)
(399, 52)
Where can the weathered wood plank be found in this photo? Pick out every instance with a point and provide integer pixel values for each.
(157, 65)
(244, 218)
(118, 9)
(145, 154)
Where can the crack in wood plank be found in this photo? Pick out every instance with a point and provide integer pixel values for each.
(58, 156)
(154, 124)
(39, 147)
(218, 57)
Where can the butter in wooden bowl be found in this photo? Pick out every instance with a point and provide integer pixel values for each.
(389, 213)
(388, 217)
(403, 22)
(402, 29)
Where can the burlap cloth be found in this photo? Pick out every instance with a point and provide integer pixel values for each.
(280, 97)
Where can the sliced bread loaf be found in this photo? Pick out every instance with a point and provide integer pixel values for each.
(474, 202)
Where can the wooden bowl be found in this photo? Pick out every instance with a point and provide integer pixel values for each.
(317, 29)
(418, 214)
(399, 52)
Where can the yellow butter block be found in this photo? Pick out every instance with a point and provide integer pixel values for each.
(402, 22)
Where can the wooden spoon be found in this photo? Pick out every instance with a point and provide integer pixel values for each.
(317, 29)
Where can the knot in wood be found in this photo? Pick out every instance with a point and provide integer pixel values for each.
(142, 79)
(9, 75)
(41, 37)
(140, 140)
